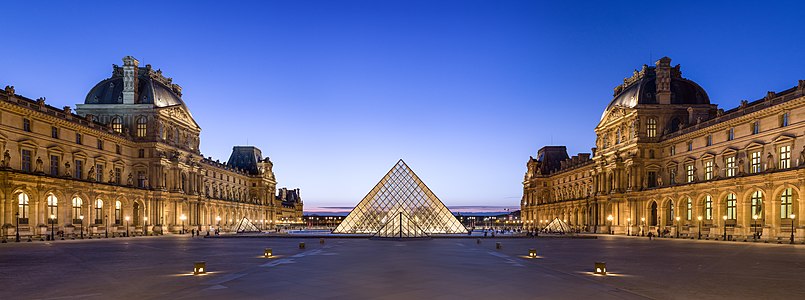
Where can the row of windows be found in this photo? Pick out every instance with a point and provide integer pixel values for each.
(53, 210)
(79, 139)
(731, 204)
(754, 127)
(117, 126)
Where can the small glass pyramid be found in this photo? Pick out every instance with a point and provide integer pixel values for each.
(400, 205)
(244, 225)
(557, 226)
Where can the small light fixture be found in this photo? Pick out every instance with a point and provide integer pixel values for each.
(321, 241)
(532, 253)
(301, 245)
(268, 253)
(601, 268)
(498, 245)
(199, 267)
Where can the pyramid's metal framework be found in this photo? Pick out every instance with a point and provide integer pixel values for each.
(400, 205)
(557, 226)
(244, 225)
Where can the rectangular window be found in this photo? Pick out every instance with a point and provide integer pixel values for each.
(141, 153)
(709, 140)
(731, 207)
(689, 210)
(708, 170)
(651, 127)
(689, 173)
(730, 162)
(118, 175)
(141, 179)
(26, 125)
(54, 165)
(690, 146)
(54, 132)
(26, 160)
(117, 149)
(673, 150)
(755, 127)
(785, 157)
(786, 206)
(78, 138)
(79, 168)
(99, 172)
(100, 144)
(755, 162)
(672, 172)
(731, 134)
(708, 207)
(652, 179)
(784, 120)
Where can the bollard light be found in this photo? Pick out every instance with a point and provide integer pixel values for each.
(532, 253)
(302, 245)
(321, 241)
(268, 253)
(601, 268)
(498, 245)
(199, 267)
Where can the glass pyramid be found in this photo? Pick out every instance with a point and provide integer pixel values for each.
(400, 205)
(557, 226)
(244, 225)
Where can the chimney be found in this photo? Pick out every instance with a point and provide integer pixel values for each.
(663, 80)
(130, 68)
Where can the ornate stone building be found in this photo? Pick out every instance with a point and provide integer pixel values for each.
(666, 157)
(128, 157)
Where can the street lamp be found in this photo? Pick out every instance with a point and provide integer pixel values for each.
(642, 224)
(754, 223)
(52, 229)
(145, 228)
(677, 226)
(792, 227)
(700, 227)
(183, 217)
(17, 229)
(81, 217)
(127, 226)
(106, 228)
(610, 218)
(629, 229)
(725, 227)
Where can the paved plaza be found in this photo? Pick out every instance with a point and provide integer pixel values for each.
(160, 268)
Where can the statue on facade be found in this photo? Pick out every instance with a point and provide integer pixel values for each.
(67, 172)
(38, 165)
(91, 173)
(716, 171)
(6, 159)
(741, 166)
(769, 162)
(695, 174)
(659, 181)
(145, 183)
(129, 180)
(111, 175)
(802, 156)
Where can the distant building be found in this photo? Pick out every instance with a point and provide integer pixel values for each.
(129, 155)
(663, 152)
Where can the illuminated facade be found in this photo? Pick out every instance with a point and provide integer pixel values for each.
(128, 160)
(400, 205)
(667, 159)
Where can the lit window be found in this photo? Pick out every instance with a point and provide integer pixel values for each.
(77, 202)
(672, 150)
(689, 173)
(785, 157)
(757, 204)
(689, 209)
(708, 170)
(731, 207)
(53, 209)
(730, 166)
(651, 127)
(708, 207)
(118, 213)
(786, 204)
(142, 127)
(98, 211)
(117, 124)
(755, 162)
(22, 207)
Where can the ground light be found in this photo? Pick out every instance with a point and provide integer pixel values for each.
(199, 267)
(601, 268)
(532, 253)
(301, 245)
(321, 241)
(268, 253)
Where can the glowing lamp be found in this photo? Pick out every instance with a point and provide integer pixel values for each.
(268, 253)
(532, 253)
(302, 245)
(199, 267)
(601, 268)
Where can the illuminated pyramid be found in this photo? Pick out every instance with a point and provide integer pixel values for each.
(400, 205)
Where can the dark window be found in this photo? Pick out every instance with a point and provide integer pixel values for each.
(755, 127)
(100, 144)
(784, 120)
(78, 138)
(54, 132)
(26, 125)
(54, 165)
(731, 134)
(117, 149)
(652, 179)
(141, 153)
(79, 168)
(118, 175)
(99, 172)
(26, 160)
(141, 179)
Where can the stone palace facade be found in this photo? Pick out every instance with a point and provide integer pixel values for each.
(666, 158)
(126, 159)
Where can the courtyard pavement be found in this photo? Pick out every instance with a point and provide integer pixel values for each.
(161, 267)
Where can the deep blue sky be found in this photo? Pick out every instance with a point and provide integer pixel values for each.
(336, 91)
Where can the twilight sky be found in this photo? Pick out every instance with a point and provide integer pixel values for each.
(464, 91)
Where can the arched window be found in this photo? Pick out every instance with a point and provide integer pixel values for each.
(757, 204)
(670, 215)
(689, 209)
(731, 207)
(708, 207)
(786, 204)
(53, 209)
(22, 202)
(77, 202)
(118, 213)
(98, 211)
(654, 221)
(117, 124)
(142, 126)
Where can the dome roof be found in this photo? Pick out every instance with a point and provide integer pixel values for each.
(152, 88)
(641, 88)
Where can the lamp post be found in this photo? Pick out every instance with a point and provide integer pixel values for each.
(754, 223)
(106, 228)
(610, 218)
(677, 227)
(127, 226)
(183, 217)
(17, 229)
(700, 227)
(792, 227)
(642, 224)
(145, 228)
(629, 228)
(81, 217)
(52, 225)
(725, 227)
